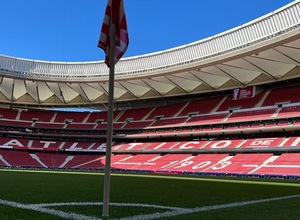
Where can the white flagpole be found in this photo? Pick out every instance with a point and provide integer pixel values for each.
(106, 188)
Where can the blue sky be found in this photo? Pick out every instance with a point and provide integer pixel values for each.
(68, 30)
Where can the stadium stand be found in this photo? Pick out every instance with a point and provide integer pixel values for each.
(51, 160)
(207, 119)
(289, 111)
(63, 117)
(252, 114)
(138, 124)
(282, 95)
(96, 117)
(202, 106)
(230, 103)
(169, 122)
(9, 113)
(134, 114)
(180, 115)
(285, 164)
(167, 111)
(18, 158)
(37, 115)
(82, 161)
(198, 163)
(239, 164)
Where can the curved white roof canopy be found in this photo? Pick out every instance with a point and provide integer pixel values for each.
(262, 51)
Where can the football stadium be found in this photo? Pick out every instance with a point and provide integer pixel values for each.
(207, 130)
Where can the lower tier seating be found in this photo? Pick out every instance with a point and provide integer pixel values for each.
(286, 164)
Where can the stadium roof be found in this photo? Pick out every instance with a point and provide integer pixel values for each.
(262, 51)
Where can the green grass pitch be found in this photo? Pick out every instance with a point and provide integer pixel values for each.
(190, 197)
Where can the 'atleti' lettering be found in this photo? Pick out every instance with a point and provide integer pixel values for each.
(13, 142)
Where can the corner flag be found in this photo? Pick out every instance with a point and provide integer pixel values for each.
(114, 14)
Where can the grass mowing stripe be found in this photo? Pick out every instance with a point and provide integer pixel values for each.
(44, 188)
(221, 180)
(214, 180)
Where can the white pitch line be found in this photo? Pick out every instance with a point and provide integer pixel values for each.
(67, 215)
(206, 208)
(41, 207)
(112, 204)
(174, 210)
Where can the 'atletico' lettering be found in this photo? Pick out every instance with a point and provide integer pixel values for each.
(221, 144)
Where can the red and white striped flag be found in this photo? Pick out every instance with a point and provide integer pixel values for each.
(114, 14)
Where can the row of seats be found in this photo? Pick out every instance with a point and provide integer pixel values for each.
(219, 128)
(184, 109)
(210, 144)
(88, 146)
(11, 158)
(285, 164)
(217, 118)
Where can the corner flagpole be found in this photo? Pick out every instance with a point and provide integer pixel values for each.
(109, 134)
(114, 41)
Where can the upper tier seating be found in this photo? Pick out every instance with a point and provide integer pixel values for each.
(252, 115)
(283, 95)
(37, 115)
(103, 125)
(167, 111)
(289, 111)
(49, 125)
(229, 103)
(8, 113)
(70, 116)
(169, 122)
(138, 124)
(198, 112)
(206, 119)
(15, 123)
(202, 106)
(134, 114)
(81, 126)
(95, 117)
